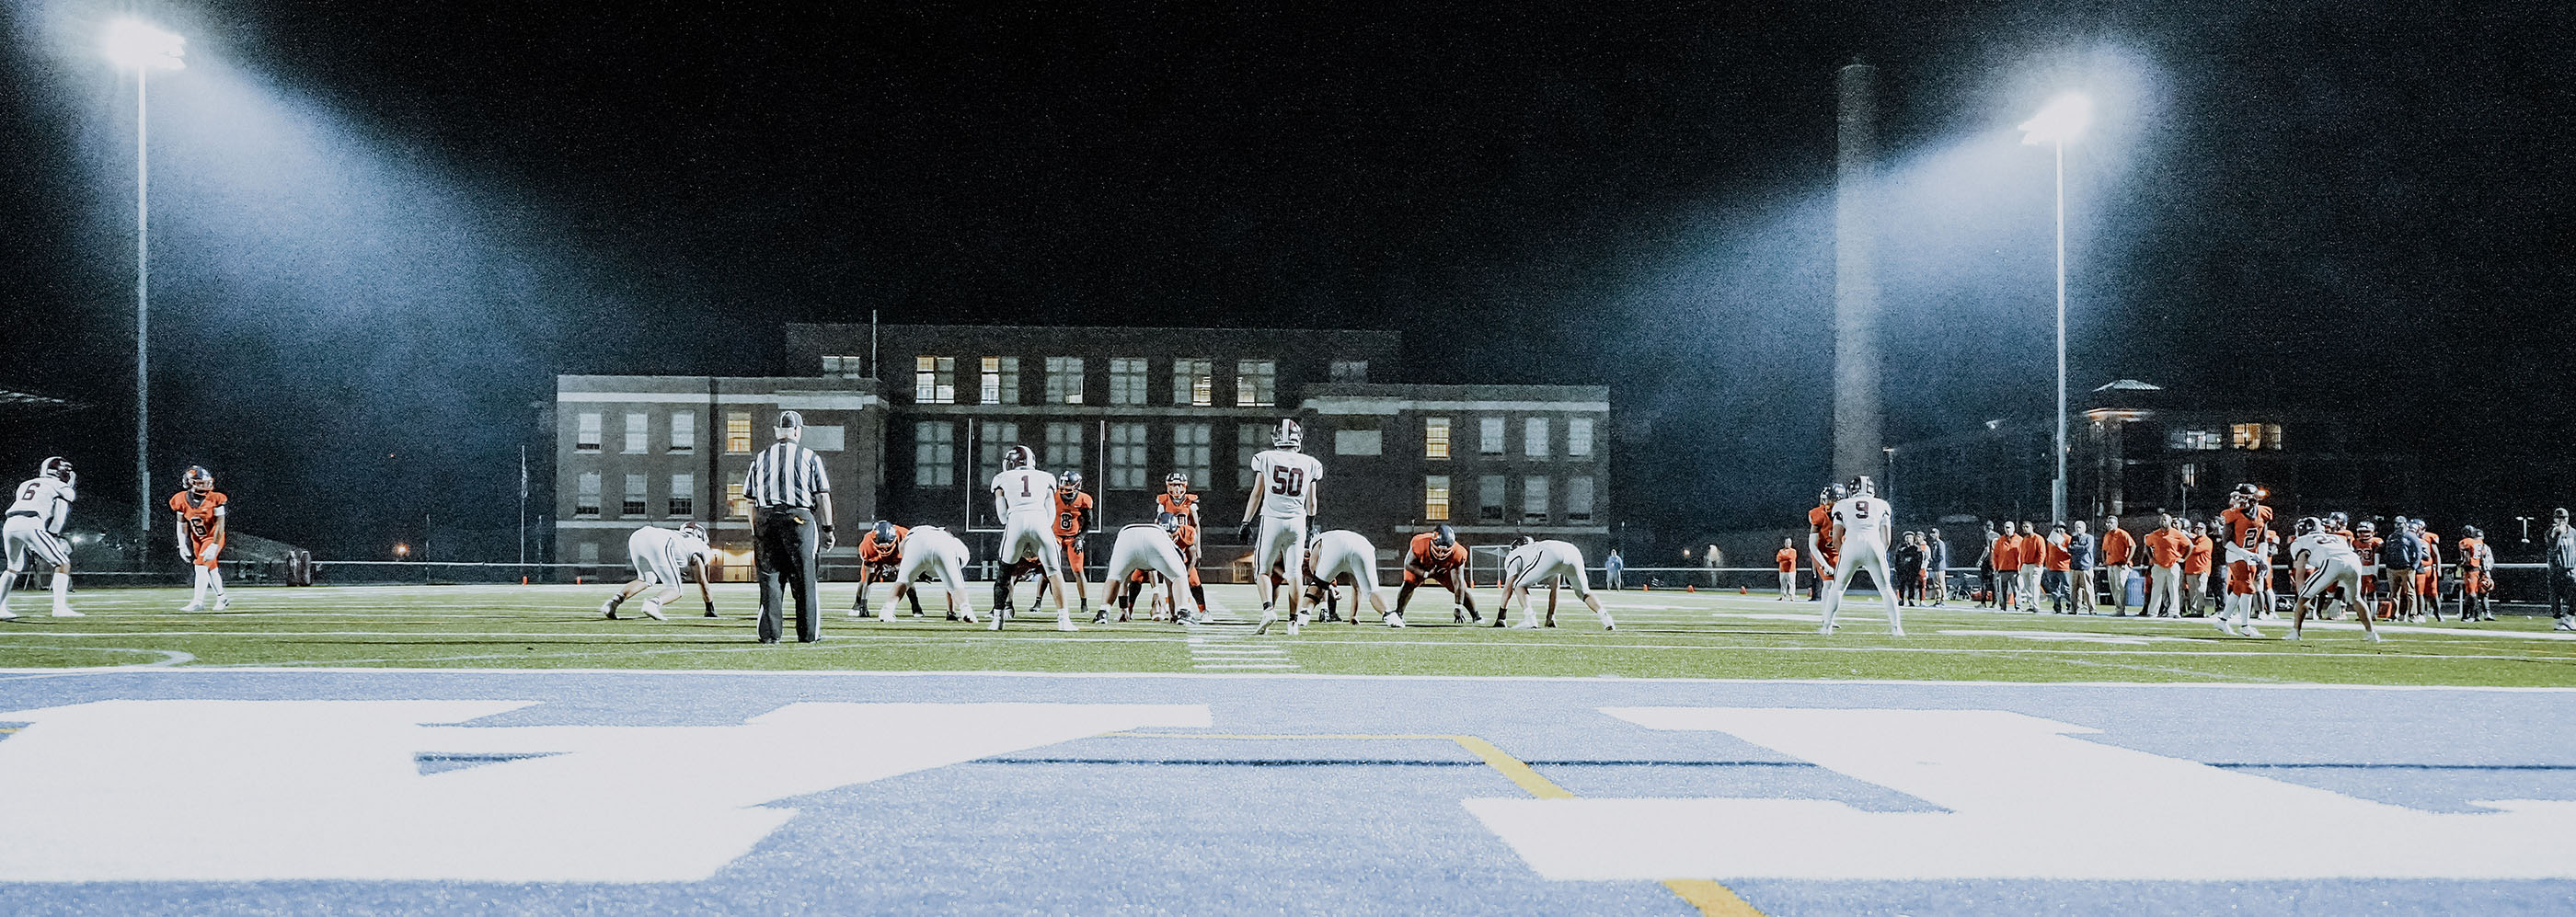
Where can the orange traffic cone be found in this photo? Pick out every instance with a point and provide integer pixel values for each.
(1739, 590)
(1692, 588)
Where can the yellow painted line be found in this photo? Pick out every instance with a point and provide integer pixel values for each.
(1708, 896)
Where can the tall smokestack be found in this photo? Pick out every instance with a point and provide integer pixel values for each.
(1857, 442)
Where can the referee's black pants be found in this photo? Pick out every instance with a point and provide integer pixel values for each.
(2562, 593)
(784, 549)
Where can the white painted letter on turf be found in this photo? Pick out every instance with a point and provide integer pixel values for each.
(2026, 801)
(249, 790)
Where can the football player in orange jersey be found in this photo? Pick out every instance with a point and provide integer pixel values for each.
(200, 513)
(1820, 542)
(1073, 510)
(1437, 555)
(1177, 500)
(881, 557)
(2365, 542)
(2247, 522)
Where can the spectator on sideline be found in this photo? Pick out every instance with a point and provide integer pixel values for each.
(1936, 566)
(2399, 554)
(1909, 569)
(2118, 551)
(2559, 544)
(2167, 546)
(2061, 564)
(2079, 549)
(2033, 552)
(1611, 567)
(1788, 560)
(2195, 569)
(2006, 548)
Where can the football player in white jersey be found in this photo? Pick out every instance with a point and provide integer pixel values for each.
(2324, 559)
(658, 555)
(35, 527)
(1532, 564)
(1024, 497)
(1147, 548)
(1342, 553)
(1283, 495)
(1861, 525)
(928, 551)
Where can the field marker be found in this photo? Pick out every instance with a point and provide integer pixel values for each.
(1710, 897)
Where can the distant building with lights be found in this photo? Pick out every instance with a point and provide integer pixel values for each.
(2137, 447)
(912, 420)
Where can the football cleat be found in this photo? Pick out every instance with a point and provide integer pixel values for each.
(1395, 620)
(66, 612)
(6, 614)
(1270, 615)
(193, 605)
(654, 610)
(1064, 620)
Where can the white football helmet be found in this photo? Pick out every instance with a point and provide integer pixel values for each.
(57, 468)
(694, 530)
(1862, 486)
(197, 479)
(1288, 435)
(1019, 457)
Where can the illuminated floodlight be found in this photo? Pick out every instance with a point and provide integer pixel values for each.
(141, 45)
(2060, 121)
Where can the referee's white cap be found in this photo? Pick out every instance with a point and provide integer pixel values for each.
(789, 420)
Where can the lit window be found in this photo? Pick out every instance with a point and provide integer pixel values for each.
(1194, 382)
(737, 432)
(1127, 380)
(684, 494)
(934, 453)
(1489, 498)
(684, 431)
(1369, 441)
(1249, 440)
(991, 441)
(1534, 500)
(1578, 438)
(1000, 381)
(1534, 437)
(1127, 456)
(1350, 371)
(1435, 437)
(2194, 439)
(934, 380)
(1064, 380)
(2271, 436)
(1064, 445)
(2254, 435)
(585, 501)
(1256, 383)
(638, 432)
(845, 367)
(1190, 452)
(1435, 498)
(1578, 499)
(1489, 436)
(587, 440)
(740, 508)
(634, 504)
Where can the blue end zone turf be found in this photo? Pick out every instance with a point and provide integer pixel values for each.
(621, 791)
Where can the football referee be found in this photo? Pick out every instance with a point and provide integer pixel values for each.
(786, 486)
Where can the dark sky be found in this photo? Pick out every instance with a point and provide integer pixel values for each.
(381, 228)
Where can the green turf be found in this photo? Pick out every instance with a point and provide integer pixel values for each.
(1662, 634)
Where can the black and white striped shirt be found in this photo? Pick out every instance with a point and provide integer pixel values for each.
(786, 474)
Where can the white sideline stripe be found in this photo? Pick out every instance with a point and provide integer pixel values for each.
(1315, 676)
(1245, 665)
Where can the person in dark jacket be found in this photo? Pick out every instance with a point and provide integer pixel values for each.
(1909, 570)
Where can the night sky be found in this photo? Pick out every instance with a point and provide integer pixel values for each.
(380, 229)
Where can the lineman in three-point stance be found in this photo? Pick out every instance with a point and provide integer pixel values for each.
(1532, 564)
(1860, 538)
(1344, 553)
(35, 527)
(659, 554)
(1149, 548)
(2324, 561)
(1283, 495)
(932, 551)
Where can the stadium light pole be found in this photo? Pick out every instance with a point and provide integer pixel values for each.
(143, 47)
(2062, 119)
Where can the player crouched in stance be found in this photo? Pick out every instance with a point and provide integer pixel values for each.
(880, 557)
(1283, 496)
(659, 554)
(1437, 556)
(1143, 551)
(1860, 523)
(2249, 554)
(2323, 562)
(1535, 563)
(1342, 554)
(35, 527)
(200, 512)
(927, 551)
(1025, 499)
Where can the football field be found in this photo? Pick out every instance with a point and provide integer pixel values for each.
(504, 749)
